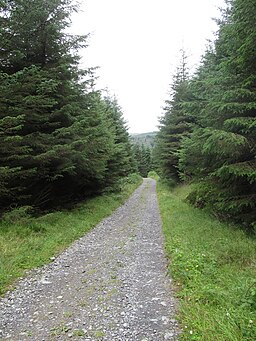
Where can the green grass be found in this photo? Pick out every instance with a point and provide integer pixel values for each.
(31, 242)
(153, 175)
(214, 270)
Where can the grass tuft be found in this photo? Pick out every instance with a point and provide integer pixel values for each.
(214, 267)
(27, 242)
(153, 175)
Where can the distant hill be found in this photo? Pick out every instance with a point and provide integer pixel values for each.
(148, 139)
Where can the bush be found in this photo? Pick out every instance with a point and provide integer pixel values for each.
(153, 175)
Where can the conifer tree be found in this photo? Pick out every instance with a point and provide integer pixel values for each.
(54, 143)
(223, 147)
(174, 124)
(142, 155)
(120, 162)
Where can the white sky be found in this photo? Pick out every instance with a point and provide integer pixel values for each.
(136, 43)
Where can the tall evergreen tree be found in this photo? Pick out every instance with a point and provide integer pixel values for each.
(174, 124)
(33, 33)
(120, 162)
(223, 147)
(53, 138)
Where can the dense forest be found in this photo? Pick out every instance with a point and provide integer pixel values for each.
(148, 139)
(142, 151)
(60, 139)
(67, 162)
(208, 130)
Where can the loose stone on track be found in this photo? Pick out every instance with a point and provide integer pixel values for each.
(111, 284)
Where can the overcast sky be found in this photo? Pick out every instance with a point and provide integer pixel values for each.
(136, 44)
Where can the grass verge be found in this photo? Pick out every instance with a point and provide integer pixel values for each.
(214, 268)
(31, 242)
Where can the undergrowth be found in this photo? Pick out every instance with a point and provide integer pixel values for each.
(27, 242)
(214, 269)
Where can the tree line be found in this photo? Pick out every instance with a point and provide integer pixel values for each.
(60, 139)
(208, 129)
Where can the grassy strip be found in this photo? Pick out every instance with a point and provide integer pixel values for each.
(31, 242)
(214, 267)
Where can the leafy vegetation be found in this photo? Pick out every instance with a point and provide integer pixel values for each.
(208, 131)
(60, 140)
(213, 266)
(153, 175)
(27, 242)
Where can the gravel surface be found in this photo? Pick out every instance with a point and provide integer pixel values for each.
(111, 284)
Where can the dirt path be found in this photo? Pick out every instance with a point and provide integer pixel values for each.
(109, 285)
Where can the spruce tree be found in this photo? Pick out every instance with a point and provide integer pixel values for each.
(174, 124)
(143, 158)
(223, 147)
(54, 141)
(120, 162)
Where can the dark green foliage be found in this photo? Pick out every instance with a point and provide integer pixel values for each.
(142, 155)
(219, 152)
(58, 142)
(174, 125)
(120, 162)
(32, 33)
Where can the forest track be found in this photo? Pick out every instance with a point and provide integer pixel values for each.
(111, 284)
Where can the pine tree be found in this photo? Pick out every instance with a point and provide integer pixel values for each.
(33, 33)
(142, 155)
(174, 124)
(120, 162)
(54, 141)
(223, 147)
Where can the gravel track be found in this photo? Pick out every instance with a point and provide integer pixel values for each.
(111, 284)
